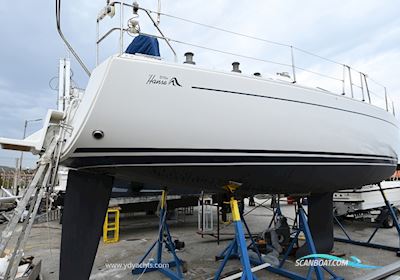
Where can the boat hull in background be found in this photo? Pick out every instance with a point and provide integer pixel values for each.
(190, 128)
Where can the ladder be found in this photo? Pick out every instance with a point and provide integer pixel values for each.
(32, 197)
(111, 224)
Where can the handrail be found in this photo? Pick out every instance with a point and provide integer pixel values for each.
(121, 29)
(107, 33)
(58, 20)
(159, 30)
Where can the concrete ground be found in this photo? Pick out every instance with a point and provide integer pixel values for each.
(137, 234)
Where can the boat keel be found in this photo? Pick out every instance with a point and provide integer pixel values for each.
(320, 221)
(86, 202)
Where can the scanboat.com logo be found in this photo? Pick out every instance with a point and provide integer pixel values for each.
(329, 260)
(163, 81)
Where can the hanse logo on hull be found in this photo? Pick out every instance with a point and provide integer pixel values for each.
(162, 81)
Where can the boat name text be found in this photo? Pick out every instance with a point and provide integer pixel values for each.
(162, 81)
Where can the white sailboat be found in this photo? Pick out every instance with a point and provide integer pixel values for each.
(209, 127)
(144, 119)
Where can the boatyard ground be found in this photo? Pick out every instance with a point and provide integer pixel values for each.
(114, 261)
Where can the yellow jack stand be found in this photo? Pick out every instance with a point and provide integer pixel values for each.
(238, 246)
(111, 224)
(164, 241)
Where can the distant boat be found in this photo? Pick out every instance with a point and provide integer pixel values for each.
(366, 198)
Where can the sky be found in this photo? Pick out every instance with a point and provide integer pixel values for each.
(361, 33)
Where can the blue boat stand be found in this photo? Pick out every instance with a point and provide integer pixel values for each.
(164, 237)
(237, 248)
(318, 270)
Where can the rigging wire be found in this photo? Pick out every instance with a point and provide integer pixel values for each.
(226, 52)
(250, 37)
(244, 35)
(218, 28)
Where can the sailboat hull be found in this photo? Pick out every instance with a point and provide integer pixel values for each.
(188, 127)
(289, 179)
